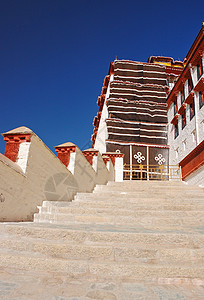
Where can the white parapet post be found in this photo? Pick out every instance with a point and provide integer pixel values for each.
(117, 161)
(119, 169)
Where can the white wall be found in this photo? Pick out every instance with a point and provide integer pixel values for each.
(196, 177)
(102, 135)
(192, 134)
(45, 178)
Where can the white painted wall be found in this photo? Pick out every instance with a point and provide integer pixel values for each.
(46, 178)
(95, 163)
(102, 135)
(119, 169)
(186, 140)
(23, 152)
(72, 162)
(192, 134)
(196, 177)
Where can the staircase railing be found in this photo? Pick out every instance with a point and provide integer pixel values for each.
(151, 172)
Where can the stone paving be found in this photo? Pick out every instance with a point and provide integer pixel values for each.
(88, 258)
(16, 284)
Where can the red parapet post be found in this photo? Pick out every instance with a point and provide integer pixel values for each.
(113, 155)
(89, 154)
(106, 159)
(13, 140)
(64, 151)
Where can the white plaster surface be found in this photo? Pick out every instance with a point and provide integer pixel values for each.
(119, 169)
(102, 135)
(196, 177)
(191, 135)
(23, 152)
(46, 179)
(72, 162)
(95, 163)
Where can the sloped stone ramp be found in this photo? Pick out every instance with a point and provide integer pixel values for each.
(130, 240)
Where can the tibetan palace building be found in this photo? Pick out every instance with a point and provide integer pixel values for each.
(153, 113)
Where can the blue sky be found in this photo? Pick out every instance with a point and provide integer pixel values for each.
(54, 55)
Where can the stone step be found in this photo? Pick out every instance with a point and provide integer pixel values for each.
(143, 187)
(138, 198)
(65, 218)
(146, 193)
(152, 183)
(127, 206)
(108, 253)
(77, 210)
(110, 271)
(132, 202)
(105, 235)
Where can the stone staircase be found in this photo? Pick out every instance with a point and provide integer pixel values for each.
(129, 240)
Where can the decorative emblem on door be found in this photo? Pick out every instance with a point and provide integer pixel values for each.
(139, 157)
(160, 159)
(117, 151)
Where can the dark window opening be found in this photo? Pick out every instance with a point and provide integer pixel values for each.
(176, 130)
(199, 69)
(190, 85)
(182, 97)
(183, 119)
(201, 100)
(192, 110)
(175, 107)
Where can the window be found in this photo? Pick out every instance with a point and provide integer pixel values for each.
(190, 85)
(175, 107)
(201, 99)
(182, 96)
(176, 131)
(199, 69)
(192, 110)
(183, 119)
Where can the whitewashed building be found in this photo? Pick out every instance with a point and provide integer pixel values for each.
(153, 113)
(186, 115)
